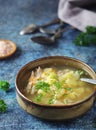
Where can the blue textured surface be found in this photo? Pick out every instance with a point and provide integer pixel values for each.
(14, 15)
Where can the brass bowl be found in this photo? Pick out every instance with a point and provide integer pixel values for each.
(53, 112)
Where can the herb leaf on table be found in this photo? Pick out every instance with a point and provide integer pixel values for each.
(86, 38)
(4, 85)
(3, 106)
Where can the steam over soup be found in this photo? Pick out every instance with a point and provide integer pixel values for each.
(57, 86)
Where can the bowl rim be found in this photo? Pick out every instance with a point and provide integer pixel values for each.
(55, 106)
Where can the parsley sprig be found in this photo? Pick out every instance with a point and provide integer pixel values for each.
(3, 106)
(4, 85)
(86, 38)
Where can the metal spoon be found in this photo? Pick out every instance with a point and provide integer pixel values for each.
(33, 27)
(92, 81)
(49, 40)
(47, 31)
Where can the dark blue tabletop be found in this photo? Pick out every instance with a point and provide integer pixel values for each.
(14, 15)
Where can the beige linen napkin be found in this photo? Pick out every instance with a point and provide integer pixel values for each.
(78, 13)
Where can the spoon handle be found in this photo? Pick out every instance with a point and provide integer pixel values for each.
(93, 81)
(60, 31)
(54, 21)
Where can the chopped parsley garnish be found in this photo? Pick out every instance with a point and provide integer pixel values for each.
(4, 85)
(80, 72)
(39, 97)
(43, 85)
(57, 84)
(69, 89)
(3, 106)
(51, 101)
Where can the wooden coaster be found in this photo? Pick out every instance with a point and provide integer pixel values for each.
(7, 48)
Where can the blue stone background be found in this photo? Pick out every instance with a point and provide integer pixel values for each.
(14, 15)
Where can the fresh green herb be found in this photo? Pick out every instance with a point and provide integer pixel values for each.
(91, 30)
(86, 38)
(4, 85)
(80, 72)
(69, 89)
(62, 81)
(51, 101)
(82, 39)
(39, 97)
(53, 75)
(57, 84)
(3, 106)
(42, 85)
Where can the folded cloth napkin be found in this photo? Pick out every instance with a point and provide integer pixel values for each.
(78, 13)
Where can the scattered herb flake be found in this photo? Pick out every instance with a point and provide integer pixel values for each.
(39, 97)
(57, 84)
(80, 72)
(3, 106)
(4, 85)
(51, 101)
(42, 85)
(68, 89)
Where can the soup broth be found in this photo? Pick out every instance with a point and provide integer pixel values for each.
(58, 86)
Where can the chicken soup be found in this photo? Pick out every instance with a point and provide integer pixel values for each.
(58, 86)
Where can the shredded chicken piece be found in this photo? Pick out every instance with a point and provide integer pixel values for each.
(38, 73)
(28, 88)
(33, 90)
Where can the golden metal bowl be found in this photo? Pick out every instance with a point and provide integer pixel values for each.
(53, 112)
